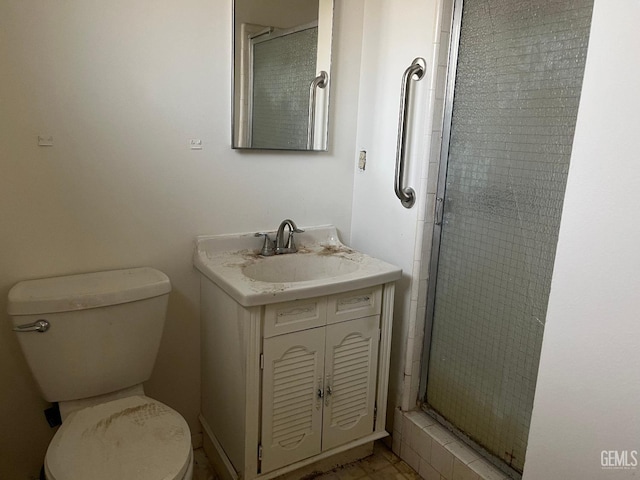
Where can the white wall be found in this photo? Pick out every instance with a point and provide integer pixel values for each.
(588, 392)
(121, 86)
(394, 34)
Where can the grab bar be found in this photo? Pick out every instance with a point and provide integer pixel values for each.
(319, 82)
(406, 195)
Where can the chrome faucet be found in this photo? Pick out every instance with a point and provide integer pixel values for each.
(290, 245)
(280, 247)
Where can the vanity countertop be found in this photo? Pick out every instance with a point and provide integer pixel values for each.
(322, 266)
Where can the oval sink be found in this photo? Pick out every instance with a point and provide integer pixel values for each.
(298, 268)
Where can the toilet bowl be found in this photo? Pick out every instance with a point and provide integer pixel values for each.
(129, 438)
(90, 341)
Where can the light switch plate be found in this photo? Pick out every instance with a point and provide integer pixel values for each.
(362, 160)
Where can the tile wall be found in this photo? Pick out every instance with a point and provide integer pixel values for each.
(424, 232)
(435, 453)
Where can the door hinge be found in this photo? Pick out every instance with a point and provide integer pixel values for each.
(375, 414)
(262, 361)
(259, 452)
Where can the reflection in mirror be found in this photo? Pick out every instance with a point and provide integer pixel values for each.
(282, 73)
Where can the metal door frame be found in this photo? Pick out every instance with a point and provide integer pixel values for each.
(452, 67)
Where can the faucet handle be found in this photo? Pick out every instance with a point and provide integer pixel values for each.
(268, 248)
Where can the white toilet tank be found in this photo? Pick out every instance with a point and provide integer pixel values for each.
(104, 330)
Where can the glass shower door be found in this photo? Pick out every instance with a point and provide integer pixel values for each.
(517, 86)
(283, 68)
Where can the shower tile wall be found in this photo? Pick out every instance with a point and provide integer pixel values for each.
(424, 232)
(435, 453)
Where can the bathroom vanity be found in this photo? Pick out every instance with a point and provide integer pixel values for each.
(295, 351)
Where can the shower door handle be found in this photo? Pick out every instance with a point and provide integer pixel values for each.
(439, 210)
(319, 82)
(418, 68)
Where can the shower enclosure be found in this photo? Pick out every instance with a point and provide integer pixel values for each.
(515, 76)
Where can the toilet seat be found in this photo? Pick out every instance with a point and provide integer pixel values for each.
(133, 438)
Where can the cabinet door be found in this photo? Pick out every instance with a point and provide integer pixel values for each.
(351, 360)
(291, 402)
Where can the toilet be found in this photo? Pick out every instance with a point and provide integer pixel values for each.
(90, 341)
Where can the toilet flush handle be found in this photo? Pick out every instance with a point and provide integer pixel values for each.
(40, 326)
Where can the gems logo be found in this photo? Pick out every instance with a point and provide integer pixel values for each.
(619, 459)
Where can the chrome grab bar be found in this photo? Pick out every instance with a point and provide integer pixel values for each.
(319, 82)
(40, 326)
(418, 68)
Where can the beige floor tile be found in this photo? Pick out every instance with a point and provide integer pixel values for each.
(202, 469)
(374, 463)
(326, 476)
(388, 473)
(350, 472)
(406, 470)
(382, 465)
(380, 448)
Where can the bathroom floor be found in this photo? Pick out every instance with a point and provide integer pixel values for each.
(202, 469)
(382, 465)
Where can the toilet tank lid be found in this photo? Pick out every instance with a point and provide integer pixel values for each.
(87, 290)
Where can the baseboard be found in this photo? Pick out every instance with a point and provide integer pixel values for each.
(219, 460)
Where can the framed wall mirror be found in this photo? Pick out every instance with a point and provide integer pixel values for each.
(281, 74)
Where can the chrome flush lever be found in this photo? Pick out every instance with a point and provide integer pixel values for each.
(39, 326)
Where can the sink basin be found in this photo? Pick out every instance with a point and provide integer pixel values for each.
(322, 266)
(300, 267)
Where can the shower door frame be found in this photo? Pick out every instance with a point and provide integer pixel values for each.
(454, 45)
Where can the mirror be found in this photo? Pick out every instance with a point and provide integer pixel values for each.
(281, 74)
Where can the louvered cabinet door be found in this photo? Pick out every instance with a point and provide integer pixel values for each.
(291, 404)
(351, 361)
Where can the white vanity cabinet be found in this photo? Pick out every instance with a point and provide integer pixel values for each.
(289, 383)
